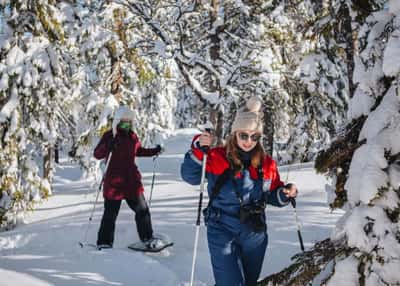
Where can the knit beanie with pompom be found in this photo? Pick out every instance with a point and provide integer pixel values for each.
(249, 117)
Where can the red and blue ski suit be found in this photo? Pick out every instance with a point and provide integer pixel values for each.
(237, 251)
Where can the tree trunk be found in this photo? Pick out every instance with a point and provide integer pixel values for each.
(215, 41)
(47, 163)
(117, 78)
(216, 118)
(216, 115)
(56, 154)
(350, 37)
(269, 130)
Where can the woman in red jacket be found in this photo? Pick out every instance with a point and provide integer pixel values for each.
(242, 179)
(122, 180)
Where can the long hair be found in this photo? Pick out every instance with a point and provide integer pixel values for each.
(232, 153)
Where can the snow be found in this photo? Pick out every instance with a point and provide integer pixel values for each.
(355, 227)
(360, 104)
(391, 56)
(5, 201)
(366, 175)
(345, 273)
(279, 15)
(15, 56)
(4, 82)
(10, 106)
(381, 130)
(382, 116)
(394, 7)
(45, 251)
(27, 78)
(389, 272)
(211, 97)
(394, 174)
(110, 104)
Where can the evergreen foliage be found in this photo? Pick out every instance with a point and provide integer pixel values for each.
(66, 65)
(363, 161)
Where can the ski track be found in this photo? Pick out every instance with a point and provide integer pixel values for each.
(45, 251)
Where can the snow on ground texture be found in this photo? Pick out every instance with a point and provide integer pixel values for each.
(46, 251)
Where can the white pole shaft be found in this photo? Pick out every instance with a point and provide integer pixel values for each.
(97, 198)
(196, 239)
(152, 180)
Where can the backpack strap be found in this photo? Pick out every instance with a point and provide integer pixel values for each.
(221, 180)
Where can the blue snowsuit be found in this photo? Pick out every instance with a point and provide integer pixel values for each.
(237, 251)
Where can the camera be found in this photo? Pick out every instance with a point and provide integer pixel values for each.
(254, 216)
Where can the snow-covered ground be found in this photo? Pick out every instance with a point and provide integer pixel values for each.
(45, 251)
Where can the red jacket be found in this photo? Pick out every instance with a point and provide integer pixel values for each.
(122, 179)
(217, 163)
(267, 189)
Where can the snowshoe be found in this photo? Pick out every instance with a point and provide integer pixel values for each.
(154, 244)
(103, 246)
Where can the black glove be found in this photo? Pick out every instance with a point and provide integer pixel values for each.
(291, 199)
(288, 186)
(112, 144)
(159, 149)
(203, 149)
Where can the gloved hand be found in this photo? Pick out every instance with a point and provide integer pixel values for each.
(204, 141)
(159, 149)
(290, 190)
(112, 144)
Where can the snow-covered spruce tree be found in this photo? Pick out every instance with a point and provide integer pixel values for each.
(216, 47)
(224, 60)
(33, 82)
(364, 160)
(116, 62)
(278, 60)
(313, 74)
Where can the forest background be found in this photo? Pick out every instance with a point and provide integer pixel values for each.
(327, 72)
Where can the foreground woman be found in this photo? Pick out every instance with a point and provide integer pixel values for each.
(242, 179)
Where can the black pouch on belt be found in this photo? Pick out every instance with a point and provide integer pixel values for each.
(254, 216)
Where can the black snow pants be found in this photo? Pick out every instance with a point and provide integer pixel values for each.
(111, 210)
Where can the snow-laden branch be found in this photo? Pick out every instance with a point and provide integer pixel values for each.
(154, 25)
(211, 97)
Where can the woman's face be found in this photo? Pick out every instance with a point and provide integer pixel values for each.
(247, 139)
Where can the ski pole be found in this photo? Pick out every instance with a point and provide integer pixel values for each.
(152, 179)
(293, 202)
(82, 243)
(196, 239)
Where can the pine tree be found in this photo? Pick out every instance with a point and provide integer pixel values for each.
(364, 161)
(216, 48)
(33, 107)
(313, 75)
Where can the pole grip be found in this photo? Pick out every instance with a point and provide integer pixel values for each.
(293, 202)
(205, 149)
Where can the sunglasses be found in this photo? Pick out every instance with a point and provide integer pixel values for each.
(245, 136)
